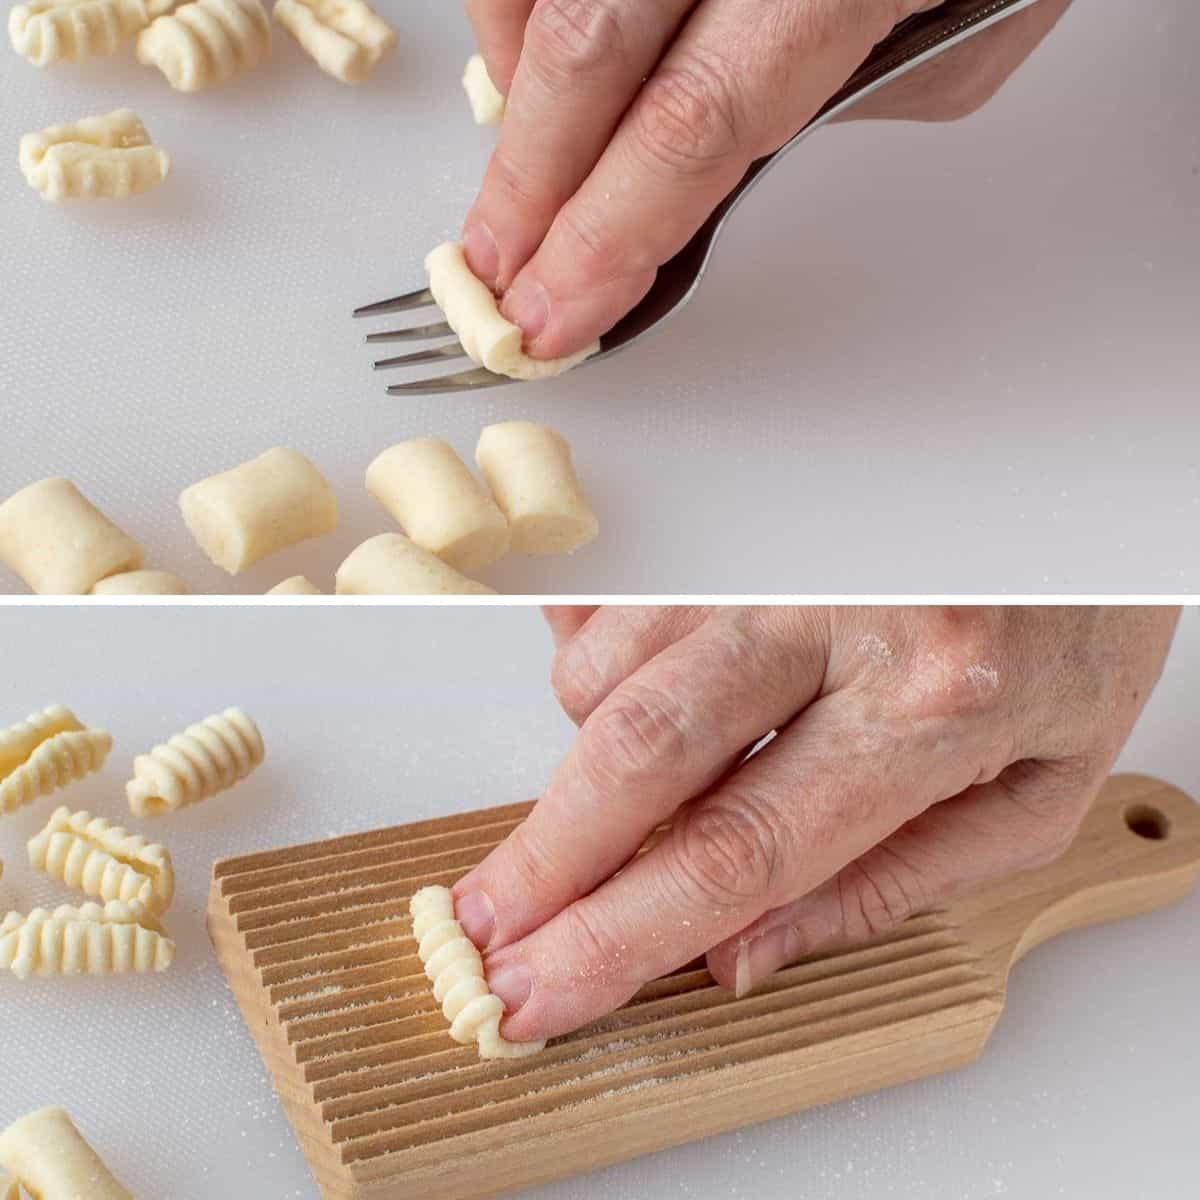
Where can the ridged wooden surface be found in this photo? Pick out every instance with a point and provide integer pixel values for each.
(316, 941)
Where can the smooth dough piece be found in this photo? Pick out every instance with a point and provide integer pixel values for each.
(206, 758)
(45, 752)
(141, 583)
(259, 508)
(96, 158)
(206, 42)
(347, 39)
(472, 312)
(50, 31)
(389, 564)
(9, 1188)
(103, 860)
(53, 1161)
(529, 469)
(297, 585)
(438, 503)
(487, 104)
(113, 939)
(59, 542)
(455, 968)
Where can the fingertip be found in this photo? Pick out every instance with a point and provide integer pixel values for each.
(527, 304)
(481, 251)
(477, 916)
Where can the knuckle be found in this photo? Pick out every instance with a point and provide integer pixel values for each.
(566, 38)
(515, 181)
(642, 733)
(876, 894)
(723, 856)
(575, 681)
(592, 940)
(686, 119)
(533, 861)
(961, 673)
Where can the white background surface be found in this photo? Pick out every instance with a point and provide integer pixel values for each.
(927, 359)
(1088, 1088)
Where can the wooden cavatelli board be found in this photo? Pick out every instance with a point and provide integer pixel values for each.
(316, 943)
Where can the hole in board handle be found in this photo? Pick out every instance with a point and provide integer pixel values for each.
(1147, 822)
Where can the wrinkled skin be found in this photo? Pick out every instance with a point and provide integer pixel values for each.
(919, 753)
(628, 122)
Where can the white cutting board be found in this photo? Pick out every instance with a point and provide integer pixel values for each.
(392, 716)
(948, 358)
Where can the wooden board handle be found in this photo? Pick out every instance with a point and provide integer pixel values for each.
(1137, 849)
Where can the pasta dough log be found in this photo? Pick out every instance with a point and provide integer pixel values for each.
(96, 158)
(345, 38)
(438, 503)
(59, 542)
(46, 752)
(103, 860)
(53, 1161)
(389, 564)
(206, 42)
(297, 585)
(259, 508)
(529, 469)
(487, 103)
(141, 583)
(455, 968)
(115, 939)
(50, 31)
(206, 758)
(471, 310)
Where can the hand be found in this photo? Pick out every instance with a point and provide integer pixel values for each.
(627, 123)
(919, 753)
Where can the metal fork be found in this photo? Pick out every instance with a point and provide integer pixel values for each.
(912, 43)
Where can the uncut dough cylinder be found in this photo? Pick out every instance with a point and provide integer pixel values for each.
(438, 503)
(389, 564)
(529, 469)
(296, 585)
(59, 542)
(52, 1160)
(141, 583)
(259, 508)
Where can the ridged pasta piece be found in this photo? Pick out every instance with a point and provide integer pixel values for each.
(103, 860)
(347, 39)
(206, 42)
(455, 968)
(45, 752)
(96, 158)
(49, 31)
(113, 939)
(53, 1160)
(206, 758)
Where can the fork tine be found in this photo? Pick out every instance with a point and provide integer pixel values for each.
(449, 350)
(463, 381)
(415, 334)
(396, 304)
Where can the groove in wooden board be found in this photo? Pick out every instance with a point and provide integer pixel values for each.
(681, 1060)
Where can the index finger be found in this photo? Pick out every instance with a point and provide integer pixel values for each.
(499, 27)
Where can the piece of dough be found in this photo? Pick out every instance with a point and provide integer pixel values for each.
(113, 939)
(45, 752)
(438, 503)
(206, 758)
(206, 42)
(297, 585)
(389, 564)
(487, 104)
(59, 542)
(141, 583)
(455, 968)
(472, 312)
(96, 158)
(347, 39)
(9, 1188)
(50, 31)
(103, 860)
(53, 1161)
(529, 469)
(259, 508)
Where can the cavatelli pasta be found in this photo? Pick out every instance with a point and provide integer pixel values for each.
(206, 42)
(455, 968)
(347, 39)
(206, 758)
(44, 753)
(103, 860)
(50, 31)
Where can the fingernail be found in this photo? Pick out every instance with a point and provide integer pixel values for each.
(482, 253)
(512, 983)
(527, 305)
(763, 956)
(477, 917)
